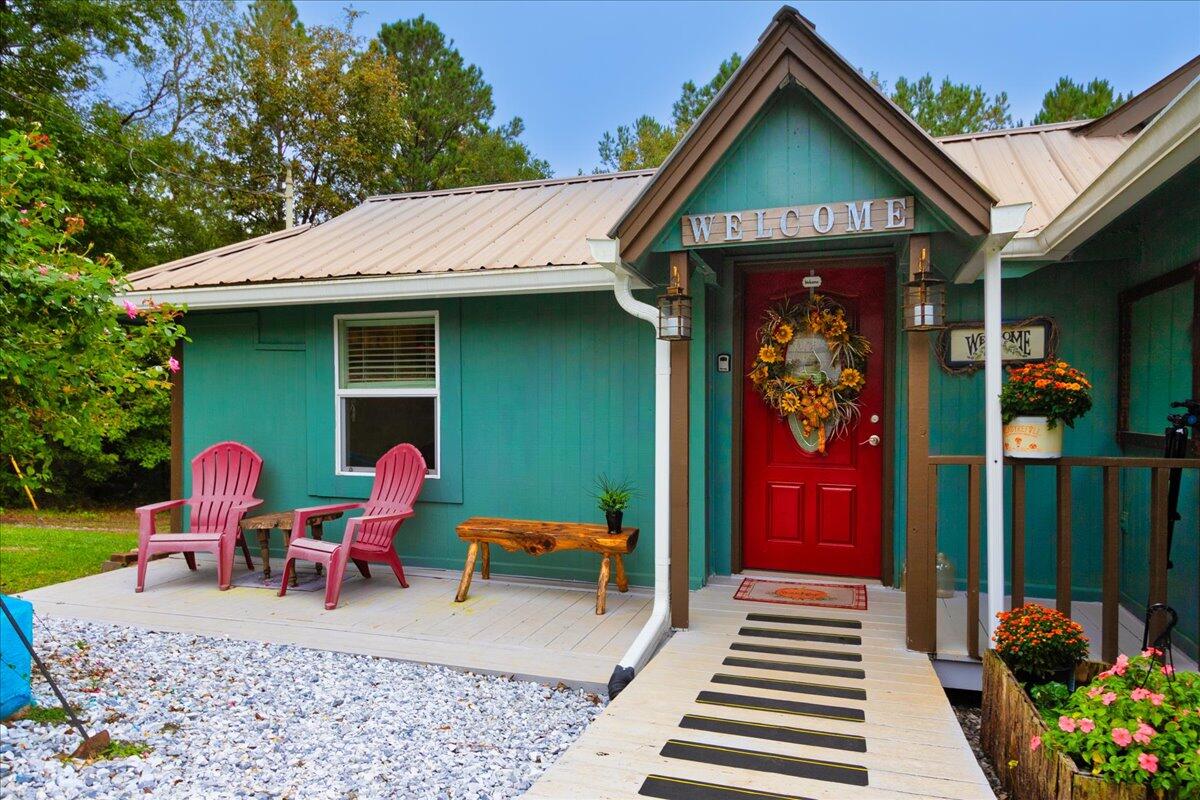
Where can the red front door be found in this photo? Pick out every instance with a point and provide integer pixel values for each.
(810, 511)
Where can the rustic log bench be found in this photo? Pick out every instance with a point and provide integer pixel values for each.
(537, 538)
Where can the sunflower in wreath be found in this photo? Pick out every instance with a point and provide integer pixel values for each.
(817, 392)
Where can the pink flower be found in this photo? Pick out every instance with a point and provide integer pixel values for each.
(1086, 725)
(1144, 733)
(1156, 699)
(131, 309)
(1140, 693)
(1151, 652)
(43, 270)
(1122, 737)
(1148, 762)
(1167, 669)
(1095, 691)
(1108, 698)
(1035, 743)
(1066, 724)
(1121, 665)
(173, 364)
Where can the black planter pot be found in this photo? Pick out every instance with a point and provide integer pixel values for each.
(614, 520)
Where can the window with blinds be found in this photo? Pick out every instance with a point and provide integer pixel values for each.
(389, 353)
(387, 389)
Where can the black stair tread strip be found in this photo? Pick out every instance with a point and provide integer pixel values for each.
(801, 636)
(827, 622)
(803, 652)
(740, 758)
(798, 707)
(775, 733)
(667, 787)
(795, 666)
(800, 687)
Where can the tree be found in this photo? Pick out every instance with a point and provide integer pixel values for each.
(76, 372)
(1069, 100)
(952, 108)
(646, 142)
(449, 139)
(305, 99)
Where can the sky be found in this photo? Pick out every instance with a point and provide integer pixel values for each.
(574, 70)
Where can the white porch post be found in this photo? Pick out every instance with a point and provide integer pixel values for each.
(1006, 222)
(993, 439)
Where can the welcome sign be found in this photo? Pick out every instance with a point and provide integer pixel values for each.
(879, 215)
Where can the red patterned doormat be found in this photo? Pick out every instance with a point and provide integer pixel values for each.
(826, 595)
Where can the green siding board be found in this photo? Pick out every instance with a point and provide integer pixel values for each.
(793, 153)
(544, 391)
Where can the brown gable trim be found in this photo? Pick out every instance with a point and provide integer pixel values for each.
(1138, 110)
(791, 50)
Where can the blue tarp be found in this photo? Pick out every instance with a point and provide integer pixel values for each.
(15, 664)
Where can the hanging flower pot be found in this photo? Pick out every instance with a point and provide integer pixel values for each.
(1032, 437)
(1038, 400)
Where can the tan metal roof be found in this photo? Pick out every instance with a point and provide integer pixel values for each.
(546, 223)
(1047, 165)
(501, 226)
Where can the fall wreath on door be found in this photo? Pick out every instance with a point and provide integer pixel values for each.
(811, 368)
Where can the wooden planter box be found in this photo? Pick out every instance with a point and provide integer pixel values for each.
(1009, 720)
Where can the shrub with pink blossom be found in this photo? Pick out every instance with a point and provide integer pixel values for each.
(1137, 722)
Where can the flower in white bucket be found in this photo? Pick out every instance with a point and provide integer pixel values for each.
(1035, 400)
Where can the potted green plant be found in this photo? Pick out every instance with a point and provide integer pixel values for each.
(1035, 400)
(613, 497)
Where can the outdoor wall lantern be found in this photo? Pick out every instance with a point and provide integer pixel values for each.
(675, 312)
(924, 299)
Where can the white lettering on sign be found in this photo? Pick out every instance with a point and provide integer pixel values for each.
(878, 215)
(733, 227)
(761, 231)
(860, 216)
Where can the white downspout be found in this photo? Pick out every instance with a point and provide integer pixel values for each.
(607, 252)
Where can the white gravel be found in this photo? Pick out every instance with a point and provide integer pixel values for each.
(231, 719)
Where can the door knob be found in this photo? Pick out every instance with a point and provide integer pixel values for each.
(872, 440)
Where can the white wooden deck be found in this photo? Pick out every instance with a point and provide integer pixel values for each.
(541, 630)
(952, 628)
(912, 744)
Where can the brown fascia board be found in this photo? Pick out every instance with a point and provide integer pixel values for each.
(1139, 110)
(791, 49)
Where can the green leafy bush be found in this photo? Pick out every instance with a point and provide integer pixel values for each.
(1037, 642)
(1137, 722)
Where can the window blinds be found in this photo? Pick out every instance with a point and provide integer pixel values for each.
(389, 353)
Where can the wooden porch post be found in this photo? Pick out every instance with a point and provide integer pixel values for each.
(177, 437)
(920, 598)
(680, 361)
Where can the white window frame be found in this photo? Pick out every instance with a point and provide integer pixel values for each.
(339, 393)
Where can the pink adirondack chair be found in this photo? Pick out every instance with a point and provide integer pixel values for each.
(224, 478)
(399, 475)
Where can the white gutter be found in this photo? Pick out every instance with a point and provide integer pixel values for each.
(522, 280)
(1006, 221)
(607, 252)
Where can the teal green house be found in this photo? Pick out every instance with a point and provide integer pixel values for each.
(503, 330)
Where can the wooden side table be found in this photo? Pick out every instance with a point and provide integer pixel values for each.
(263, 524)
(537, 538)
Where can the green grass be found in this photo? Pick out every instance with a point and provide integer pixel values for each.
(32, 557)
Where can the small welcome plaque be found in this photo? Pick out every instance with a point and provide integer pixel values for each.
(880, 215)
(963, 346)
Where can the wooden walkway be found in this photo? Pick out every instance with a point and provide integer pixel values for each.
(761, 700)
(540, 630)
